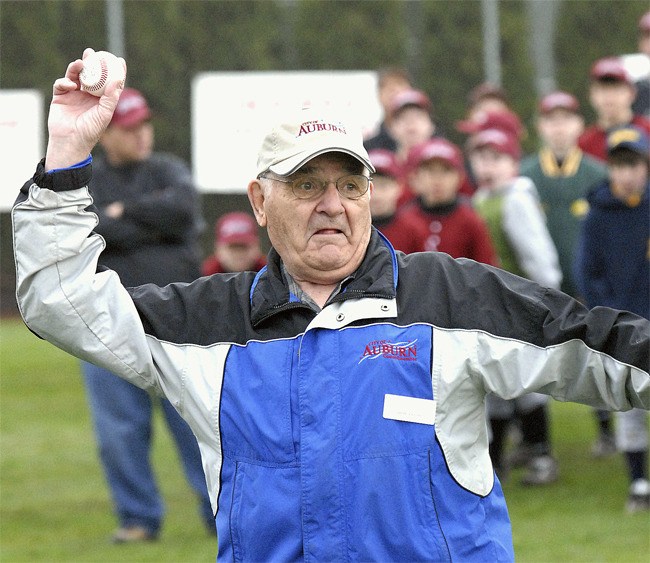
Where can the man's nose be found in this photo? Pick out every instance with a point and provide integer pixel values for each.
(330, 200)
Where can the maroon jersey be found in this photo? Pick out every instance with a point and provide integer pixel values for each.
(402, 233)
(594, 140)
(454, 228)
(212, 266)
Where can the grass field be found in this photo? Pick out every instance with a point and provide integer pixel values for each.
(54, 504)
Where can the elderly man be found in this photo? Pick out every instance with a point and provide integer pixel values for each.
(338, 394)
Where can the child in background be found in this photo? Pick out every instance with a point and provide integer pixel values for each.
(435, 174)
(486, 97)
(402, 234)
(611, 93)
(236, 246)
(613, 269)
(390, 82)
(510, 206)
(486, 114)
(412, 124)
(563, 175)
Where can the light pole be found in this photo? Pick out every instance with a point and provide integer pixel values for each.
(491, 41)
(115, 27)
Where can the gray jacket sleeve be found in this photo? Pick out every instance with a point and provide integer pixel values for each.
(61, 295)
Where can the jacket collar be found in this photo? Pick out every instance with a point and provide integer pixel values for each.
(375, 277)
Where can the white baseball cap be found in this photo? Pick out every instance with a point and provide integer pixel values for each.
(306, 134)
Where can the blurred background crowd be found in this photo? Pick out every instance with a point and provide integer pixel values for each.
(534, 160)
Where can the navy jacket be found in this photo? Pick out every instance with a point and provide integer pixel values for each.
(613, 258)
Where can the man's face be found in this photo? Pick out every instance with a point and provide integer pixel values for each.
(628, 180)
(612, 100)
(237, 257)
(389, 89)
(435, 181)
(385, 194)
(488, 104)
(492, 169)
(123, 145)
(559, 129)
(411, 126)
(320, 240)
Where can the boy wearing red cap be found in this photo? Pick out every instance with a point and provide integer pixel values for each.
(390, 82)
(509, 204)
(563, 175)
(236, 246)
(403, 234)
(611, 94)
(452, 226)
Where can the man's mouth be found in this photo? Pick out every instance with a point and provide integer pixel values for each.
(327, 232)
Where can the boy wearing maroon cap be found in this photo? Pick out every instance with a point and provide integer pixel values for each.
(403, 234)
(390, 82)
(236, 246)
(412, 124)
(563, 175)
(412, 121)
(452, 226)
(509, 204)
(611, 94)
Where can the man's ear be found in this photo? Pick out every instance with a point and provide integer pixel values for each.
(257, 199)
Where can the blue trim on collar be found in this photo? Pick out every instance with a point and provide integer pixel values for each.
(393, 256)
(254, 284)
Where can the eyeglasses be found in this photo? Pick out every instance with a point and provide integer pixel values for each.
(352, 186)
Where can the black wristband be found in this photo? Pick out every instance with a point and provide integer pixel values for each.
(62, 180)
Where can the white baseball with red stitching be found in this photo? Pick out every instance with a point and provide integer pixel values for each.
(99, 69)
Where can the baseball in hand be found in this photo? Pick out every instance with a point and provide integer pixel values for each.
(99, 69)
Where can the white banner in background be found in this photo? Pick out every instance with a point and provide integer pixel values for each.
(21, 141)
(231, 111)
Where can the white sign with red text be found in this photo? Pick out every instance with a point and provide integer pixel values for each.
(231, 112)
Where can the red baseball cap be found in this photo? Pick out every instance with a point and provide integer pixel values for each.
(611, 68)
(559, 100)
(236, 228)
(433, 149)
(497, 139)
(503, 120)
(131, 110)
(385, 163)
(407, 98)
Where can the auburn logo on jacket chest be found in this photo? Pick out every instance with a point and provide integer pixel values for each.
(401, 351)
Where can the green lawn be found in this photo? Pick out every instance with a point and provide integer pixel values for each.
(54, 504)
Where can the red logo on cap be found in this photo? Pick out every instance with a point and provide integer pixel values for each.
(315, 126)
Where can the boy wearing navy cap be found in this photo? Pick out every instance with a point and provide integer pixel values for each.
(613, 269)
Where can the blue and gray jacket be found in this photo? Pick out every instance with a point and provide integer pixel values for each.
(353, 433)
